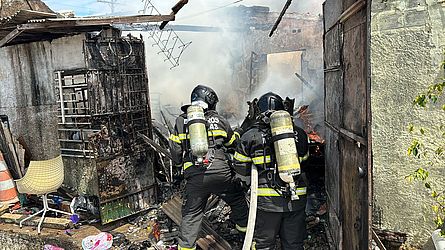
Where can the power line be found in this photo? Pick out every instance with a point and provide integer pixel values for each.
(207, 11)
(110, 2)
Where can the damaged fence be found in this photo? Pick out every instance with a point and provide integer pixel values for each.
(103, 109)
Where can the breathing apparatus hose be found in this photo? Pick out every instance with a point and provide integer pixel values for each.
(252, 209)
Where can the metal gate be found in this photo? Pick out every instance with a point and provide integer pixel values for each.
(347, 119)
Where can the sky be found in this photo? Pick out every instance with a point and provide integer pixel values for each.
(194, 9)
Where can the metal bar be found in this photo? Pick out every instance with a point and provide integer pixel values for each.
(77, 150)
(78, 156)
(73, 116)
(62, 111)
(283, 11)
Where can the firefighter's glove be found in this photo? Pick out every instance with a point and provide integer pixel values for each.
(177, 177)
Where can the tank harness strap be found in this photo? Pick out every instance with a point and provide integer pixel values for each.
(282, 136)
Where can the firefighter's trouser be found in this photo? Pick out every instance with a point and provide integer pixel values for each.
(197, 191)
(290, 226)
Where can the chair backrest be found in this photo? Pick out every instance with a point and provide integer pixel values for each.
(42, 177)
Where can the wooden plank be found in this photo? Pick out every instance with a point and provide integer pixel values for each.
(81, 22)
(355, 78)
(12, 152)
(353, 196)
(332, 48)
(49, 222)
(334, 97)
(3, 208)
(352, 10)
(114, 20)
(8, 38)
(332, 9)
(377, 240)
(348, 135)
(208, 238)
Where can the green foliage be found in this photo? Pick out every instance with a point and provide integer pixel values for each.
(430, 155)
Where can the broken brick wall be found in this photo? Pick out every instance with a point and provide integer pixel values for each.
(301, 33)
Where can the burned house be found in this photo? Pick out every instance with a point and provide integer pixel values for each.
(75, 86)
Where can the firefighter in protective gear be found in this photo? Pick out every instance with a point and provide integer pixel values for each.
(278, 213)
(210, 175)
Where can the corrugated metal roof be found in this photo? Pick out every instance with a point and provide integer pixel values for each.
(18, 29)
(22, 16)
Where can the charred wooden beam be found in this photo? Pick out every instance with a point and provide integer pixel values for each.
(280, 17)
(175, 10)
(156, 146)
(208, 238)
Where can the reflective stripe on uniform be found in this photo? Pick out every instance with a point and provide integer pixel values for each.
(186, 248)
(237, 134)
(273, 193)
(183, 136)
(267, 192)
(240, 228)
(301, 191)
(260, 159)
(187, 165)
(231, 140)
(241, 158)
(217, 132)
(289, 167)
(304, 157)
(282, 129)
(174, 138)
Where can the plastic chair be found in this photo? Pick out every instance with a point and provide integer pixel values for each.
(42, 178)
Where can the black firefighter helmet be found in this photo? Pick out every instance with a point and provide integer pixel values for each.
(270, 102)
(203, 96)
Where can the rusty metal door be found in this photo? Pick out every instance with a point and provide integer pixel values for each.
(347, 119)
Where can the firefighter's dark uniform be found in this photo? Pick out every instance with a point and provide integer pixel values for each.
(277, 214)
(202, 180)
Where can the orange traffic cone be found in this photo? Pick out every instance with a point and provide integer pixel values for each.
(8, 193)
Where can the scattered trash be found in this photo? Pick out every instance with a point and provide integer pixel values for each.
(101, 241)
(85, 207)
(74, 218)
(69, 232)
(51, 247)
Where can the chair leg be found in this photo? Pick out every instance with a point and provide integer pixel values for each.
(29, 217)
(41, 221)
(45, 209)
(59, 211)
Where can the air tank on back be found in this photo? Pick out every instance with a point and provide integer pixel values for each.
(285, 148)
(197, 130)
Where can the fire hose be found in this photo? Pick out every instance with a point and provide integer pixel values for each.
(252, 208)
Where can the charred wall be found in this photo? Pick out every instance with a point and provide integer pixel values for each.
(296, 32)
(27, 96)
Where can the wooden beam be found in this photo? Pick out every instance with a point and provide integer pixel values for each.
(178, 6)
(377, 240)
(283, 11)
(349, 135)
(356, 7)
(49, 222)
(77, 22)
(117, 20)
(13, 34)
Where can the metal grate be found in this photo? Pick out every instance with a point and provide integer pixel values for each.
(103, 109)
